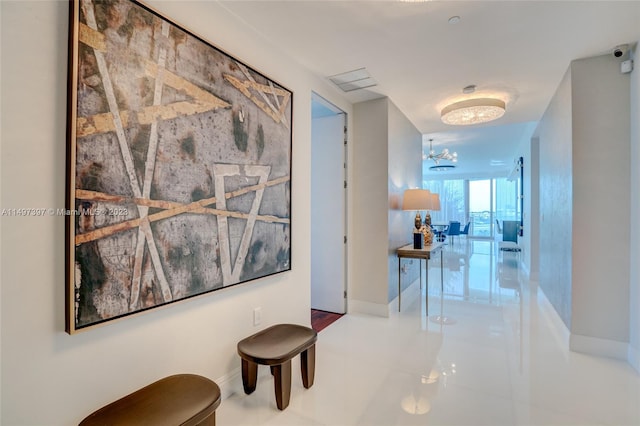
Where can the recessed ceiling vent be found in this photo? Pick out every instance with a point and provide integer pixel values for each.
(353, 80)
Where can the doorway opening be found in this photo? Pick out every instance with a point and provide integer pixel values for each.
(323, 319)
(328, 207)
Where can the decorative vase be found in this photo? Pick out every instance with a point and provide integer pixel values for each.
(427, 235)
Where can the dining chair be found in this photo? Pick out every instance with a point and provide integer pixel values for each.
(465, 231)
(510, 236)
(453, 230)
(437, 233)
(510, 231)
(498, 227)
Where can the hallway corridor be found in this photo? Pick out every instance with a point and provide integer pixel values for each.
(500, 360)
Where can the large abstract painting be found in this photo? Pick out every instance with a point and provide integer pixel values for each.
(179, 166)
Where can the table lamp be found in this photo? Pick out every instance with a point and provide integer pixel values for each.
(435, 206)
(417, 199)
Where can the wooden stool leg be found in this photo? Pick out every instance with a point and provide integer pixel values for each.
(308, 366)
(249, 376)
(282, 381)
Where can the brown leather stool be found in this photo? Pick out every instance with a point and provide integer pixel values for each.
(276, 346)
(183, 399)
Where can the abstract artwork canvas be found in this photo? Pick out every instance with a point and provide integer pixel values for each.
(179, 166)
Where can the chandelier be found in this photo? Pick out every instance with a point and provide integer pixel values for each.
(444, 155)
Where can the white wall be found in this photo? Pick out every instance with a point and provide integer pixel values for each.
(585, 188)
(601, 193)
(634, 230)
(531, 239)
(1, 97)
(554, 134)
(70, 376)
(368, 248)
(405, 171)
(387, 160)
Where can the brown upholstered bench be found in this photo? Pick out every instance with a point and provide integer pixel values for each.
(183, 399)
(276, 346)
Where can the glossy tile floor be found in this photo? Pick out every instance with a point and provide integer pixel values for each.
(498, 359)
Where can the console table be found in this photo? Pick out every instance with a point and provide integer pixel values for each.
(424, 253)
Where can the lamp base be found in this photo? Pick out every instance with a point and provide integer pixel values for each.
(417, 221)
(428, 235)
(417, 241)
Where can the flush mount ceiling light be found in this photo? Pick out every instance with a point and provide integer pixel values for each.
(473, 111)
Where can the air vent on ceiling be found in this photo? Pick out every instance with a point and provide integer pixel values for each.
(353, 80)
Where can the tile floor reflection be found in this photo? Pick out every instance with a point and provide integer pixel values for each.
(500, 361)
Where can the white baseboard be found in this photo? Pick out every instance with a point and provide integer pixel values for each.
(599, 347)
(524, 269)
(230, 383)
(408, 295)
(559, 328)
(368, 308)
(586, 344)
(380, 310)
(633, 356)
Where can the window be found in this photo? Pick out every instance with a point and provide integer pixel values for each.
(480, 207)
(452, 200)
(482, 202)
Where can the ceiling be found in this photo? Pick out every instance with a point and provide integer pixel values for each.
(516, 50)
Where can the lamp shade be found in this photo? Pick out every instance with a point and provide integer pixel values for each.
(435, 201)
(416, 199)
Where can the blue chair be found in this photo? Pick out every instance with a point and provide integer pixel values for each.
(453, 229)
(437, 233)
(510, 231)
(465, 231)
